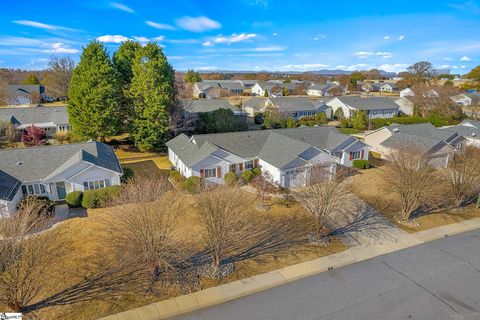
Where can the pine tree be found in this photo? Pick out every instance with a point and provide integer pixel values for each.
(95, 94)
(31, 79)
(191, 76)
(123, 60)
(152, 92)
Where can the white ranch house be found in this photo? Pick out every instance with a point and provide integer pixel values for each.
(54, 171)
(374, 107)
(286, 154)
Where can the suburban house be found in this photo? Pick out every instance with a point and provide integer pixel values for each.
(25, 94)
(383, 87)
(469, 129)
(272, 89)
(467, 99)
(437, 143)
(54, 171)
(407, 92)
(212, 88)
(254, 105)
(51, 119)
(298, 107)
(406, 105)
(286, 154)
(374, 107)
(326, 89)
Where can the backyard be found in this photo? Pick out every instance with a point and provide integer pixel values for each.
(278, 239)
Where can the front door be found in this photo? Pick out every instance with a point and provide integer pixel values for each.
(61, 192)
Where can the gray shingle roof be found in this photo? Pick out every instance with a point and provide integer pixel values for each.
(255, 103)
(280, 146)
(34, 115)
(37, 163)
(369, 103)
(467, 128)
(30, 88)
(291, 104)
(206, 105)
(423, 134)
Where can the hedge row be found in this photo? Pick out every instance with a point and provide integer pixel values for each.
(88, 199)
(361, 164)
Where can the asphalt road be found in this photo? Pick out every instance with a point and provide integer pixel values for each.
(433, 281)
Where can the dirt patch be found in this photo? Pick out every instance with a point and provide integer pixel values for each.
(147, 168)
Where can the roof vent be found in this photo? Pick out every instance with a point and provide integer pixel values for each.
(19, 163)
(395, 130)
(474, 134)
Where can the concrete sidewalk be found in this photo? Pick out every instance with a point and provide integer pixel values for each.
(226, 292)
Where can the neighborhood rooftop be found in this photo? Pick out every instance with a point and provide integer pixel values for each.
(369, 103)
(297, 104)
(422, 134)
(38, 115)
(206, 105)
(276, 145)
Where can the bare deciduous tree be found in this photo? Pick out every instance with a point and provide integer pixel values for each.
(142, 229)
(324, 196)
(221, 213)
(463, 175)
(26, 257)
(409, 175)
(57, 77)
(264, 186)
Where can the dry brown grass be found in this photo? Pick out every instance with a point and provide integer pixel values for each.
(85, 236)
(368, 186)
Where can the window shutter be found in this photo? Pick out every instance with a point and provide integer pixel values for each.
(363, 154)
(255, 163)
(219, 172)
(351, 156)
(202, 173)
(240, 165)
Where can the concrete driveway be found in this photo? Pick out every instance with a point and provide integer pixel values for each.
(433, 281)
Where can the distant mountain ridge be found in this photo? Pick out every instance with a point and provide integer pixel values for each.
(323, 72)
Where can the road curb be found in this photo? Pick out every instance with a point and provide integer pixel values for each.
(236, 289)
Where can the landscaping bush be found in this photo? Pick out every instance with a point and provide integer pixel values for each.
(231, 179)
(176, 176)
(344, 123)
(191, 184)
(257, 171)
(127, 174)
(74, 199)
(361, 164)
(99, 197)
(248, 175)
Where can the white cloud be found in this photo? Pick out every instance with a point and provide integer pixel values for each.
(141, 39)
(208, 44)
(161, 26)
(182, 40)
(401, 37)
(234, 38)
(394, 67)
(363, 54)
(112, 38)
(159, 38)
(40, 25)
(60, 47)
(385, 55)
(447, 59)
(319, 36)
(353, 67)
(271, 48)
(386, 37)
(207, 68)
(121, 7)
(305, 67)
(465, 58)
(198, 24)
(275, 34)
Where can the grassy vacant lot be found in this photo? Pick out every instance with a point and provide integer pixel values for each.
(368, 186)
(149, 167)
(86, 237)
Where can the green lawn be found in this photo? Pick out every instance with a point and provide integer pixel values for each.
(146, 168)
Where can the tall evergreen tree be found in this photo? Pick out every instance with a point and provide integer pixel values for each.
(191, 76)
(123, 60)
(95, 94)
(152, 92)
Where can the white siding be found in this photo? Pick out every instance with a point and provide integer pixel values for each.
(8, 208)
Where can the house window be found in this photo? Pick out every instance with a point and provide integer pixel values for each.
(24, 190)
(249, 164)
(35, 188)
(210, 173)
(30, 189)
(96, 184)
(232, 168)
(355, 155)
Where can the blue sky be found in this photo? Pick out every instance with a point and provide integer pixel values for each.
(250, 34)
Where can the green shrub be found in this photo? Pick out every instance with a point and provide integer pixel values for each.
(257, 171)
(127, 174)
(74, 199)
(99, 197)
(248, 175)
(230, 179)
(361, 164)
(176, 176)
(344, 122)
(191, 184)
